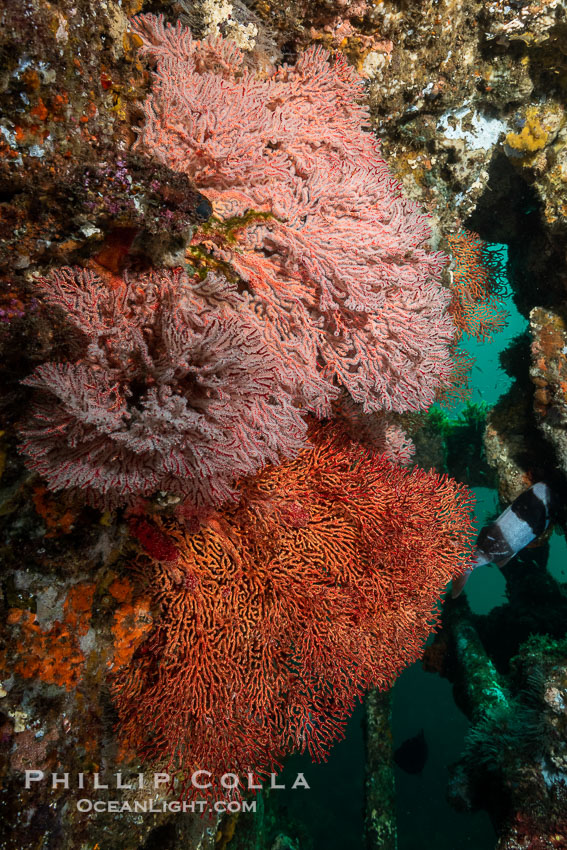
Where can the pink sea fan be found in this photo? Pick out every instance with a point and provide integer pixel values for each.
(177, 390)
(379, 432)
(338, 266)
(186, 386)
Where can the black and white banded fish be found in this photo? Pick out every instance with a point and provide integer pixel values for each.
(526, 519)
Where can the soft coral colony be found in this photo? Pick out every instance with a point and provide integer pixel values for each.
(310, 290)
(177, 390)
(279, 612)
(337, 293)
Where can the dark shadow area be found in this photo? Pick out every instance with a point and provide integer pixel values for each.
(510, 212)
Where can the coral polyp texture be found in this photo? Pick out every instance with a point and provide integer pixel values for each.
(279, 612)
(176, 390)
(335, 258)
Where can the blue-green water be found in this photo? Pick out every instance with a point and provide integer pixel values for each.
(332, 810)
(424, 817)
(489, 381)
(423, 700)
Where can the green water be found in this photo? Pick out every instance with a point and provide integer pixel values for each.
(489, 381)
(330, 814)
(423, 700)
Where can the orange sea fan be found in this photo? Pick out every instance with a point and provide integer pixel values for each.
(280, 612)
(476, 286)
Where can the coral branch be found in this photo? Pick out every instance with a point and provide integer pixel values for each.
(177, 390)
(281, 611)
(477, 286)
(339, 264)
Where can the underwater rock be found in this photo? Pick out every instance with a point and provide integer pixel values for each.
(71, 86)
(549, 376)
(68, 619)
(537, 148)
(515, 753)
(507, 445)
(537, 25)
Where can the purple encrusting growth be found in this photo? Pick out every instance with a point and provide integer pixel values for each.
(176, 390)
(129, 191)
(12, 308)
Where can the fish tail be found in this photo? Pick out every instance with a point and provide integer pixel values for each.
(458, 583)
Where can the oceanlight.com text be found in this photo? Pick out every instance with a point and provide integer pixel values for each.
(159, 806)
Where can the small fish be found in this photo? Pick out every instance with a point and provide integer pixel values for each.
(526, 519)
(412, 754)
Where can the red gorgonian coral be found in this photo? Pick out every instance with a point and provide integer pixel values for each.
(176, 390)
(280, 612)
(337, 264)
